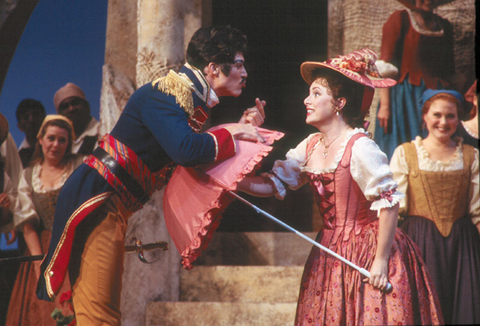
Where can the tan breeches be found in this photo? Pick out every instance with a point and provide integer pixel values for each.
(96, 292)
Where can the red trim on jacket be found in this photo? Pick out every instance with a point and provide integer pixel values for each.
(224, 144)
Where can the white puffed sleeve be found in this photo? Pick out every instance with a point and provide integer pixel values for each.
(399, 167)
(369, 168)
(474, 205)
(289, 173)
(24, 210)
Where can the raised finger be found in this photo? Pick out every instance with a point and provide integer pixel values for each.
(260, 106)
(257, 117)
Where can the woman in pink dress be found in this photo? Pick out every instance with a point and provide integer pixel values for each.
(357, 198)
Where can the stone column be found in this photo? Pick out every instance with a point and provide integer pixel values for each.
(160, 38)
(164, 28)
(120, 61)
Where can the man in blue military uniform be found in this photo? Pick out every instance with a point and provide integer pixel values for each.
(159, 127)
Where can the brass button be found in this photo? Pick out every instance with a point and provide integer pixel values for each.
(50, 273)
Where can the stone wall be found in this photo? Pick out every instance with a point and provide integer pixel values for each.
(356, 24)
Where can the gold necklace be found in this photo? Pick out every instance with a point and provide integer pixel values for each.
(325, 150)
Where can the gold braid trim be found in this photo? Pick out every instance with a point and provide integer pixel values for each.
(178, 86)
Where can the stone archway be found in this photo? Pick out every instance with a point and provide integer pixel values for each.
(14, 15)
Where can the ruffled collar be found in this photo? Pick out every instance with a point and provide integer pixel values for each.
(434, 165)
(338, 156)
(471, 133)
(423, 31)
(37, 183)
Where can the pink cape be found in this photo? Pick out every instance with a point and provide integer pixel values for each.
(195, 197)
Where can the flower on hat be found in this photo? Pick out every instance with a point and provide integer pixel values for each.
(358, 66)
(361, 61)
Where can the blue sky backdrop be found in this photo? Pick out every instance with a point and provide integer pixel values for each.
(64, 41)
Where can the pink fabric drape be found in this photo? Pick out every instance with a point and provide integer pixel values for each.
(195, 197)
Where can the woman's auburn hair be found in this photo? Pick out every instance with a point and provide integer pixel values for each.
(446, 97)
(341, 86)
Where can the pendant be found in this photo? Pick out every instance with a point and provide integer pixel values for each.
(325, 152)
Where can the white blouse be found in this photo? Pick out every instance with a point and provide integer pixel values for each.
(368, 166)
(25, 209)
(400, 170)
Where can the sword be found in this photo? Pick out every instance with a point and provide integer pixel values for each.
(138, 247)
(362, 271)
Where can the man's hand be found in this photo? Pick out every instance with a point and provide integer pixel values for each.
(11, 236)
(245, 132)
(255, 115)
(4, 200)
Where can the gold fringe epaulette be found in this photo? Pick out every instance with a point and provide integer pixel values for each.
(178, 86)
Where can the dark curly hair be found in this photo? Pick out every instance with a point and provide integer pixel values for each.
(341, 86)
(29, 104)
(217, 44)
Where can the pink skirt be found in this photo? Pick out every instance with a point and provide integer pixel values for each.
(333, 293)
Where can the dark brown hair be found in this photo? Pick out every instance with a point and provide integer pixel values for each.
(341, 86)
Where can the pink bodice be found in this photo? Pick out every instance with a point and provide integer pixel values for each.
(341, 202)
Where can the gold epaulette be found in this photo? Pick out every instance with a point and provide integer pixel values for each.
(178, 86)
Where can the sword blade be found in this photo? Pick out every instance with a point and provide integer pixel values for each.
(362, 271)
(130, 248)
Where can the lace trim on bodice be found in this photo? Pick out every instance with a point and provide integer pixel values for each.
(468, 131)
(428, 164)
(37, 184)
(338, 156)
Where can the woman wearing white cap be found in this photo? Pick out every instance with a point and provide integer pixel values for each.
(39, 186)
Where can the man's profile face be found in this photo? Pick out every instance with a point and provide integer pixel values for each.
(76, 109)
(233, 84)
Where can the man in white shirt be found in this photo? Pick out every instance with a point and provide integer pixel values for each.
(70, 101)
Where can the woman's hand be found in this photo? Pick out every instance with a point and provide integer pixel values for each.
(383, 115)
(245, 132)
(255, 115)
(379, 274)
(36, 266)
(388, 219)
